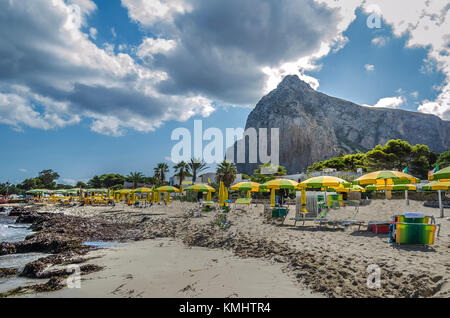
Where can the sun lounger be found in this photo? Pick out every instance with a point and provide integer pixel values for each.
(243, 201)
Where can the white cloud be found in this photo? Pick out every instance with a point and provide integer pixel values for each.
(389, 102)
(415, 94)
(65, 77)
(93, 33)
(23, 170)
(369, 67)
(18, 111)
(150, 47)
(151, 12)
(379, 41)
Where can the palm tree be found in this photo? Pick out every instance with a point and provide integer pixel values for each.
(181, 169)
(195, 166)
(136, 178)
(226, 172)
(160, 172)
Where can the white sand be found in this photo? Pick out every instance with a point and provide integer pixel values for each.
(165, 268)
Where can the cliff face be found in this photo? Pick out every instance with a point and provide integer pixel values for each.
(314, 126)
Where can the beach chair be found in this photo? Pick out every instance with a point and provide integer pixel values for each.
(243, 201)
(414, 228)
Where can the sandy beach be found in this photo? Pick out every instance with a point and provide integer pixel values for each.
(186, 256)
(165, 268)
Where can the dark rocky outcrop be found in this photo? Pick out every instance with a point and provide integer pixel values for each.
(314, 126)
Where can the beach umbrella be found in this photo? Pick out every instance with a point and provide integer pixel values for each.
(353, 188)
(278, 184)
(200, 188)
(371, 178)
(221, 194)
(249, 187)
(391, 187)
(323, 182)
(443, 175)
(167, 189)
(438, 186)
(386, 177)
(142, 190)
(246, 186)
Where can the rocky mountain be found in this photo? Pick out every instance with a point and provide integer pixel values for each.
(314, 126)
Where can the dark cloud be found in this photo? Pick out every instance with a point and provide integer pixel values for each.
(223, 45)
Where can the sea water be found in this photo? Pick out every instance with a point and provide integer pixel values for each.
(13, 232)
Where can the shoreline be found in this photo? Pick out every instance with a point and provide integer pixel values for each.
(329, 263)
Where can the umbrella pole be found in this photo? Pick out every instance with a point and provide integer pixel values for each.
(385, 189)
(441, 208)
(406, 198)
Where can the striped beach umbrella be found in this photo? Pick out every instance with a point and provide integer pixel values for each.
(281, 184)
(373, 177)
(142, 190)
(323, 182)
(443, 175)
(440, 186)
(353, 188)
(246, 186)
(437, 185)
(168, 189)
(200, 188)
(391, 187)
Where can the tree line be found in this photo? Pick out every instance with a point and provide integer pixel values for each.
(47, 178)
(395, 154)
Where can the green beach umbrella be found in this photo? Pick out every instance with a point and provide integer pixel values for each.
(246, 186)
(142, 190)
(371, 178)
(443, 174)
(168, 189)
(281, 184)
(437, 185)
(200, 188)
(324, 182)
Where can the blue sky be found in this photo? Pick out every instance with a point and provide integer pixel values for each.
(82, 134)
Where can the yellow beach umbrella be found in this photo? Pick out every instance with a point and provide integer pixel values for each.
(373, 177)
(142, 190)
(353, 188)
(200, 188)
(387, 177)
(443, 175)
(278, 184)
(246, 186)
(439, 186)
(221, 194)
(167, 189)
(323, 182)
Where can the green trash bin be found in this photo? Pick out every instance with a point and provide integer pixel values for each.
(275, 213)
